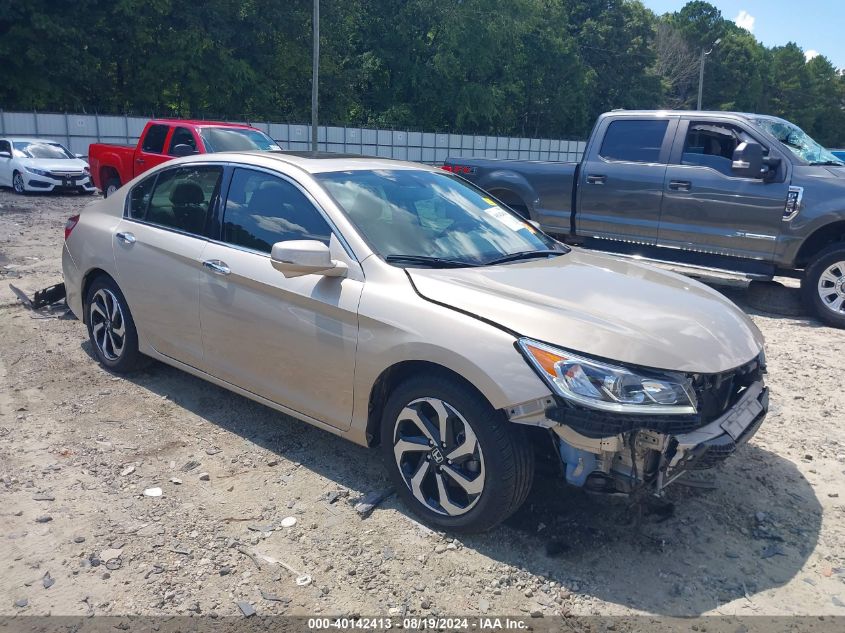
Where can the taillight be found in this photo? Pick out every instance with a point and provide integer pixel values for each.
(71, 223)
(459, 169)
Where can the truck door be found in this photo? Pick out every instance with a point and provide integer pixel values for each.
(150, 151)
(621, 180)
(706, 207)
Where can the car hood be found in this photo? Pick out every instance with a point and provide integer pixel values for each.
(59, 165)
(605, 307)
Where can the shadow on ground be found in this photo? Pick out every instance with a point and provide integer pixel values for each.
(752, 532)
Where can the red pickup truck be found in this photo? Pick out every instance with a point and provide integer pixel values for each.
(114, 165)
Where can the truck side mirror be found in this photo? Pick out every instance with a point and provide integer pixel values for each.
(748, 160)
(182, 149)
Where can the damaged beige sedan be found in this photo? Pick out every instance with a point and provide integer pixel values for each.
(401, 307)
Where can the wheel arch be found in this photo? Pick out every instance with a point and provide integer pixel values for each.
(108, 172)
(513, 199)
(819, 240)
(87, 280)
(395, 375)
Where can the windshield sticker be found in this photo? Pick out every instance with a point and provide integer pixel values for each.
(506, 218)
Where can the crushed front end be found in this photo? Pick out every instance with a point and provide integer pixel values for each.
(619, 452)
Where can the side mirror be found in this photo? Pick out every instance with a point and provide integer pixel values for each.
(748, 160)
(182, 149)
(5, 154)
(296, 258)
(80, 156)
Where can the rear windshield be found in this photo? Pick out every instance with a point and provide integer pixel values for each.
(222, 139)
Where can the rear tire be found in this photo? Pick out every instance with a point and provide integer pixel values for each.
(110, 186)
(111, 328)
(823, 285)
(469, 480)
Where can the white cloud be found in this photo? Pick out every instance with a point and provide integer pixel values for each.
(745, 20)
(810, 54)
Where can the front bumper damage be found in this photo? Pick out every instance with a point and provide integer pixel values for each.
(649, 453)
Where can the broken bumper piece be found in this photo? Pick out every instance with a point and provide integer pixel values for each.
(623, 462)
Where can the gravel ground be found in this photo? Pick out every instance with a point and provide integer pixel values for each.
(79, 446)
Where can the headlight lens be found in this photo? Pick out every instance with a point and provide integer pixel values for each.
(599, 385)
(39, 172)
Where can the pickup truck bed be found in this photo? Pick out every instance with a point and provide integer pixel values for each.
(540, 190)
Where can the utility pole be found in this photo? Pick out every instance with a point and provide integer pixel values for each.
(704, 54)
(315, 72)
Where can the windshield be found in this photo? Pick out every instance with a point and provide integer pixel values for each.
(412, 213)
(27, 149)
(798, 142)
(222, 139)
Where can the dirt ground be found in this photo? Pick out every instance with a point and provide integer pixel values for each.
(79, 446)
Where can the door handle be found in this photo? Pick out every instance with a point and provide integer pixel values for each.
(139, 160)
(217, 267)
(680, 185)
(126, 238)
(593, 179)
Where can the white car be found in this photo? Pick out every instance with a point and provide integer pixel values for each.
(35, 164)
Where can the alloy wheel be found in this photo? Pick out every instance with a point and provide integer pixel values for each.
(17, 183)
(831, 287)
(439, 456)
(107, 324)
(110, 190)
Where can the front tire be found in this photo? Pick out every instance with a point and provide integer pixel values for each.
(111, 329)
(455, 461)
(18, 184)
(823, 285)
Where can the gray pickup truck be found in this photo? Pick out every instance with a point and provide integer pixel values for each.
(725, 192)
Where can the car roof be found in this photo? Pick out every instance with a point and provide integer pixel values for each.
(199, 123)
(321, 162)
(28, 139)
(748, 116)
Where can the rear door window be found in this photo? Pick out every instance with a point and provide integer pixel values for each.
(262, 209)
(183, 198)
(182, 136)
(154, 139)
(634, 141)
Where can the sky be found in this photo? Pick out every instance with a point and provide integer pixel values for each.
(815, 25)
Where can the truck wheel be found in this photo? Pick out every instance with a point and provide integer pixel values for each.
(110, 186)
(454, 460)
(823, 285)
(111, 328)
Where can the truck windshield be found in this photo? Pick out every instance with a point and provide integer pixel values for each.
(798, 142)
(222, 139)
(42, 150)
(420, 218)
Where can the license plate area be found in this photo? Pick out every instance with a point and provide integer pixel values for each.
(742, 417)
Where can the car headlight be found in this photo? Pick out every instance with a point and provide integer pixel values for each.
(38, 172)
(86, 170)
(599, 385)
